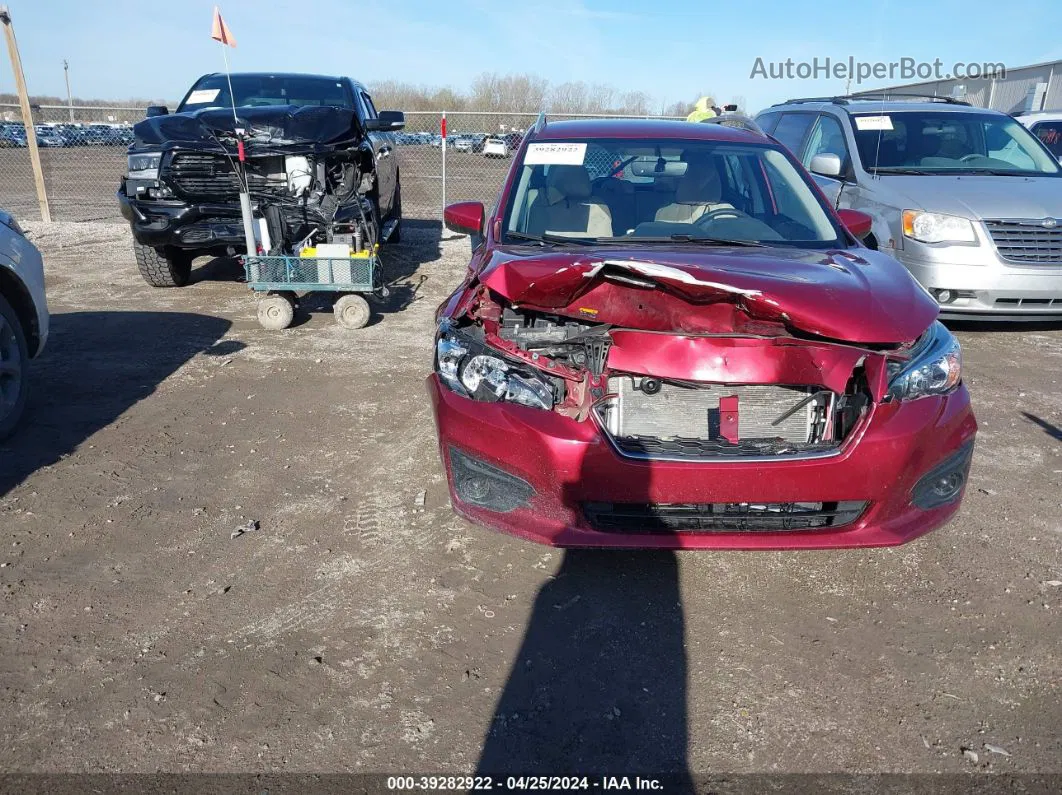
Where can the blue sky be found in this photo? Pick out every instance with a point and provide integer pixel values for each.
(671, 49)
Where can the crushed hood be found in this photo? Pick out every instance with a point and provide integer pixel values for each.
(306, 128)
(859, 297)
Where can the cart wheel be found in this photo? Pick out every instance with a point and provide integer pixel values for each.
(352, 311)
(275, 312)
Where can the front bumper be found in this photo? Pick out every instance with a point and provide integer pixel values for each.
(188, 226)
(999, 291)
(569, 464)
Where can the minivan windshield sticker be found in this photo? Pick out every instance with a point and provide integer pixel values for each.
(555, 154)
(203, 95)
(873, 122)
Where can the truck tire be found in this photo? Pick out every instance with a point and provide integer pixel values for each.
(163, 267)
(14, 356)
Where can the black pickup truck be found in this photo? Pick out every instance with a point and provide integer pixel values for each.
(320, 161)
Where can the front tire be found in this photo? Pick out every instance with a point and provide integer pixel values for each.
(163, 267)
(352, 311)
(14, 356)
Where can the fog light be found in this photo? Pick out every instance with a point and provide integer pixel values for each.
(481, 484)
(945, 296)
(944, 483)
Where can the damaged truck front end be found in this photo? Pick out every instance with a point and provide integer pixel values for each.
(641, 405)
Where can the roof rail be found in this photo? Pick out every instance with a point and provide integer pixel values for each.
(800, 100)
(874, 96)
(738, 120)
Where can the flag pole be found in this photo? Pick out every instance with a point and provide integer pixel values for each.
(228, 78)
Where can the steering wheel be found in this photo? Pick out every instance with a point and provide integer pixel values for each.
(720, 212)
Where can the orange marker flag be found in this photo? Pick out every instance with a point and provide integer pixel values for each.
(220, 31)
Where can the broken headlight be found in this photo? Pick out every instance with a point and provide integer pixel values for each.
(145, 165)
(934, 369)
(473, 370)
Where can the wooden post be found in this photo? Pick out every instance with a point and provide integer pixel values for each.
(27, 115)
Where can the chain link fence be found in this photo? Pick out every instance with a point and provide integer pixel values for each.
(83, 156)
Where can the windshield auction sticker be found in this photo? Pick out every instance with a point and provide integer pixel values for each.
(203, 95)
(873, 122)
(558, 154)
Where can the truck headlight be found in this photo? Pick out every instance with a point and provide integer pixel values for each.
(937, 228)
(934, 369)
(145, 165)
(475, 371)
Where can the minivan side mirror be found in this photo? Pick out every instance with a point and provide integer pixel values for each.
(387, 121)
(826, 165)
(465, 218)
(856, 222)
(156, 110)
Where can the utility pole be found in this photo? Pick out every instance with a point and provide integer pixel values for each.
(69, 99)
(27, 115)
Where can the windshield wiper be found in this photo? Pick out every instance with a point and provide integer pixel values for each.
(902, 170)
(550, 240)
(694, 239)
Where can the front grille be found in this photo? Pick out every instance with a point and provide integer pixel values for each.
(198, 174)
(1029, 301)
(1027, 241)
(720, 517)
(649, 418)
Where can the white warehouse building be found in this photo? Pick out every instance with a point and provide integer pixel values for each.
(1024, 89)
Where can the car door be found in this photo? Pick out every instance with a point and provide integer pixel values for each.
(827, 138)
(383, 144)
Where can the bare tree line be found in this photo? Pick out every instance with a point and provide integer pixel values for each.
(496, 93)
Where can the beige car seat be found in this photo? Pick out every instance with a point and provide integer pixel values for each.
(564, 207)
(699, 191)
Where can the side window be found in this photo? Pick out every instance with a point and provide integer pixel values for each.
(1050, 133)
(768, 121)
(792, 128)
(370, 109)
(827, 138)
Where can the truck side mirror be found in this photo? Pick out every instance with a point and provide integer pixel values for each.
(156, 110)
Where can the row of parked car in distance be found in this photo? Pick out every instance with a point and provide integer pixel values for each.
(496, 145)
(13, 135)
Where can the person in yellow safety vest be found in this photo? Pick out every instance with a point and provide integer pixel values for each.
(704, 109)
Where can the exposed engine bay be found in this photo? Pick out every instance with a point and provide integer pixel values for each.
(746, 386)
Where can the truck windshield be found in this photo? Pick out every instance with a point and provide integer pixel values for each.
(665, 191)
(936, 142)
(263, 90)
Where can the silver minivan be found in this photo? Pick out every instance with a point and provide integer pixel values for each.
(966, 198)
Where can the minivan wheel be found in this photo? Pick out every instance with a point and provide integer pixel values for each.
(163, 267)
(14, 355)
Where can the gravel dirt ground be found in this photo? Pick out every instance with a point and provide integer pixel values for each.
(363, 627)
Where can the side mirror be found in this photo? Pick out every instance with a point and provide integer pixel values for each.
(856, 222)
(465, 218)
(156, 110)
(387, 121)
(828, 165)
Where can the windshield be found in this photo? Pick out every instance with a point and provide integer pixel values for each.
(934, 142)
(262, 90)
(660, 190)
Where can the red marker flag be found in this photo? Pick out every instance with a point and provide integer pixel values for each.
(220, 31)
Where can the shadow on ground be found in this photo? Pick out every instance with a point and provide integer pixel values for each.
(599, 684)
(96, 366)
(1049, 428)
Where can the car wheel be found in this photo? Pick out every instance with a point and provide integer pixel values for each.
(14, 355)
(163, 267)
(276, 311)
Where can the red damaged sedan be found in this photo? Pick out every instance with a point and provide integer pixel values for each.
(667, 338)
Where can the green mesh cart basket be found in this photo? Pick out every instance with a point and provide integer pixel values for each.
(278, 279)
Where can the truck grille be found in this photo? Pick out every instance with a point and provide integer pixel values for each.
(669, 420)
(1027, 241)
(720, 517)
(199, 175)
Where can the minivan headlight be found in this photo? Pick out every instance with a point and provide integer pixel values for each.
(937, 227)
(473, 370)
(934, 369)
(145, 165)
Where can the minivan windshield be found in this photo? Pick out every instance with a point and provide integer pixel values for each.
(665, 191)
(263, 90)
(949, 142)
